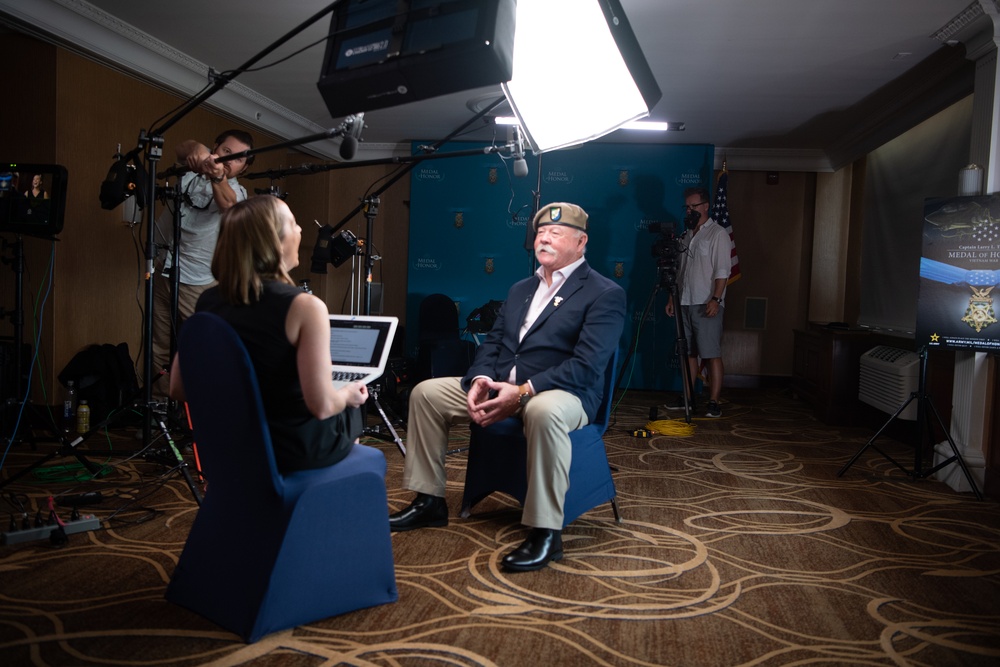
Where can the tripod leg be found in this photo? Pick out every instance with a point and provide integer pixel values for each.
(194, 445)
(181, 464)
(385, 420)
(871, 441)
(956, 455)
(683, 353)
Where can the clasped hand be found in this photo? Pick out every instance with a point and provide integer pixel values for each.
(484, 410)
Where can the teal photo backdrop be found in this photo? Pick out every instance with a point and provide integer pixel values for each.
(469, 219)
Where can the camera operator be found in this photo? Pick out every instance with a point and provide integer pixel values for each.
(704, 272)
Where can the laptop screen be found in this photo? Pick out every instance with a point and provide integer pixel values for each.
(359, 341)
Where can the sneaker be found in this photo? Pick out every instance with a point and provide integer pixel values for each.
(677, 403)
(713, 410)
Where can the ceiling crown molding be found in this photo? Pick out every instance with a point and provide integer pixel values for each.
(772, 159)
(964, 19)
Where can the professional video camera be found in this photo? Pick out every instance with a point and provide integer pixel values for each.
(667, 250)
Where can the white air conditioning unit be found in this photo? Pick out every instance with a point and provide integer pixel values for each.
(888, 377)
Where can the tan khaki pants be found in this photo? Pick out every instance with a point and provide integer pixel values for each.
(439, 403)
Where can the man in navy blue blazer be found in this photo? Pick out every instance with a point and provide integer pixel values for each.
(545, 357)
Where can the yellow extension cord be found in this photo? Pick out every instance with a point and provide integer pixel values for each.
(673, 427)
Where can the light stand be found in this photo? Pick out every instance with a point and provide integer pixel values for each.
(925, 408)
(67, 447)
(175, 281)
(371, 211)
(371, 205)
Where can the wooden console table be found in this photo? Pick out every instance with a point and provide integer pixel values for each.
(825, 371)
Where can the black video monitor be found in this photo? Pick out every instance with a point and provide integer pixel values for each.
(32, 198)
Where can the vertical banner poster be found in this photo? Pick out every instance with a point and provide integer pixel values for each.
(959, 274)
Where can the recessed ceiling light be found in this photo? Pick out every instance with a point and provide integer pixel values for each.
(654, 126)
(647, 125)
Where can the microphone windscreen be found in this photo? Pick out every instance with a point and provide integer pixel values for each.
(520, 167)
(348, 147)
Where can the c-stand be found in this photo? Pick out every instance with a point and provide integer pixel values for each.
(925, 407)
(171, 406)
(153, 145)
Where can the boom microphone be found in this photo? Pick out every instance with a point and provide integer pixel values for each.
(520, 166)
(349, 144)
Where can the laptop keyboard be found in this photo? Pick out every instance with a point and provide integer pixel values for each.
(346, 376)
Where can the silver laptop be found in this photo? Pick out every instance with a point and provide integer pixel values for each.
(359, 347)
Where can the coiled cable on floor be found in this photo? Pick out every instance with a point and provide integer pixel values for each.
(672, 427)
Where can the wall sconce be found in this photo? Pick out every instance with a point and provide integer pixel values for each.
(970, 181)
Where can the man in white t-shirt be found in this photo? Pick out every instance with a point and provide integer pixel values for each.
(702, 277)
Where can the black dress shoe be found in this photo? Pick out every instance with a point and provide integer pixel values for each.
(424, 512)
(542, 545)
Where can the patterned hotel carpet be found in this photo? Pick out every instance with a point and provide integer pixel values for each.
(740, 546)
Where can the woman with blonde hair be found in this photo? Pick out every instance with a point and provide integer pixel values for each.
(286, 332)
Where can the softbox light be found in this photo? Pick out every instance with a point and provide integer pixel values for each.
(578, 72)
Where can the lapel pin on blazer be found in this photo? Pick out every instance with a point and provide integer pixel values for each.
(556, 301)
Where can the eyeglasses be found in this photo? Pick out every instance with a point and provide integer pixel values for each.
(691, 206)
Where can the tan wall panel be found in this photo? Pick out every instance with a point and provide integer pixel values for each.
(772, 225)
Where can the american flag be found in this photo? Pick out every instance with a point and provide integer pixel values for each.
(720, 213)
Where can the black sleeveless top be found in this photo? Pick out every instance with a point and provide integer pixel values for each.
(300, 440)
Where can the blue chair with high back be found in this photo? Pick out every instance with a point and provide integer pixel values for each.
(269, 551)
(498, 461)
(441, 352)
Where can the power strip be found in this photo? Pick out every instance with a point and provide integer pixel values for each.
(84, 523)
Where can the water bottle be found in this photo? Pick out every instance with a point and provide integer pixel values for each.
(83, 417)
(69, 406)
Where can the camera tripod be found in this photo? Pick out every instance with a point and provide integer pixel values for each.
(683, 354)
(681, 347)
(925, 408)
